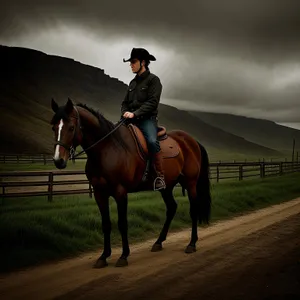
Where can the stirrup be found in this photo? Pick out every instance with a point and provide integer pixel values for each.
(163, 184)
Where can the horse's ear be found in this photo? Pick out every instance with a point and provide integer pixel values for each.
(69, 106)
(54, 105)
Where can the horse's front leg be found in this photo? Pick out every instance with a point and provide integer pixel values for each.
(121, 198)
(102, 200)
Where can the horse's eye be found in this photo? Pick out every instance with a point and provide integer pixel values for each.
(71, 128)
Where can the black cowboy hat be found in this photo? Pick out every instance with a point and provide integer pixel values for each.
(140, 54)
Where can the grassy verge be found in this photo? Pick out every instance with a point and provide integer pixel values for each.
(39, 166)
(33, 231)
(215, 155)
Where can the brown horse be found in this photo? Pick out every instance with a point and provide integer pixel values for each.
(117, 165)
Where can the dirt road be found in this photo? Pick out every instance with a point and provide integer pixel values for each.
(256, 256)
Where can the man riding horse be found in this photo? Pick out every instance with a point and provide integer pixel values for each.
(141, 106)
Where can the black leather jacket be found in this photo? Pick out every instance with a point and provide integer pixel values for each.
(143, 95)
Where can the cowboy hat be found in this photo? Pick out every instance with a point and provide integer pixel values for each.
(140, 54)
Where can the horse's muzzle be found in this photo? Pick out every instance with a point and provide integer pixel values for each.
(60, 163)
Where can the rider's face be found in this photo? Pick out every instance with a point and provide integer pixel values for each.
(135, 65)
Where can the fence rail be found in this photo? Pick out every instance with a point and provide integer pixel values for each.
(29, 158)
(51, 183)
(48, 159)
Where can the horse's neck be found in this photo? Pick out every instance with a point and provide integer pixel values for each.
(90, 128)
(123, 149)
(93, 132)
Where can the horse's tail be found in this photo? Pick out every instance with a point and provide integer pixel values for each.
(203, 188)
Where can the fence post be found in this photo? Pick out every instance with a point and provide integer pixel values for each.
(280, 168)
(218, 174)
(262, 170)
(50, 186)
(241, 172)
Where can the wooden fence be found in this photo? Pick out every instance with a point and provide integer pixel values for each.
(29, 159)
(48, 159)
(35, 183)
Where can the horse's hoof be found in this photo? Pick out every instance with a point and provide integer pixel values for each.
(190, 249)
(156, 248)
(122, 262)
(100, 263)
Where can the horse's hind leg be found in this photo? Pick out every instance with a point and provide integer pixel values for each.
(171, 207)
(192, 195)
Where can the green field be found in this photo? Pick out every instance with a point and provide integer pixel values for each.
(33, 230)
(214, 156)
(39, 166)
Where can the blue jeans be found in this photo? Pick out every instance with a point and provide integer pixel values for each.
(149, 129)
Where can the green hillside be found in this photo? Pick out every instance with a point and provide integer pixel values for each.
(262, 132)
(29, 79)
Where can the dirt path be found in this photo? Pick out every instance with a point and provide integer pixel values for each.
(256, 256)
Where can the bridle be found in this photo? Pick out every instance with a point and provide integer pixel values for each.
(72, 148)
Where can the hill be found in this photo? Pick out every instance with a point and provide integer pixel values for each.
(263, 132)
(30, 78)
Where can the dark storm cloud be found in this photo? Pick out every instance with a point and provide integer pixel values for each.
(261, 24)
(237, 54)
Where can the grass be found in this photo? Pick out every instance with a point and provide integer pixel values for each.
(34, 231)
(39, 166)
(36, 163)
(216, 155)
(80, 163)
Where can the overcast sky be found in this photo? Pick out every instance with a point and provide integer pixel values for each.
(234, 56)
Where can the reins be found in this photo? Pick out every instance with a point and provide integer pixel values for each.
(72, 150)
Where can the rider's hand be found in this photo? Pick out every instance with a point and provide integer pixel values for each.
(128, 114)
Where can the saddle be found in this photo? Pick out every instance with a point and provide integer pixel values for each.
(168, 145)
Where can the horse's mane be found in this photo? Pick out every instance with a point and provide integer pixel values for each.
(105, 125)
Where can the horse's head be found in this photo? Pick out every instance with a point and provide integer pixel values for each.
(66, 127)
